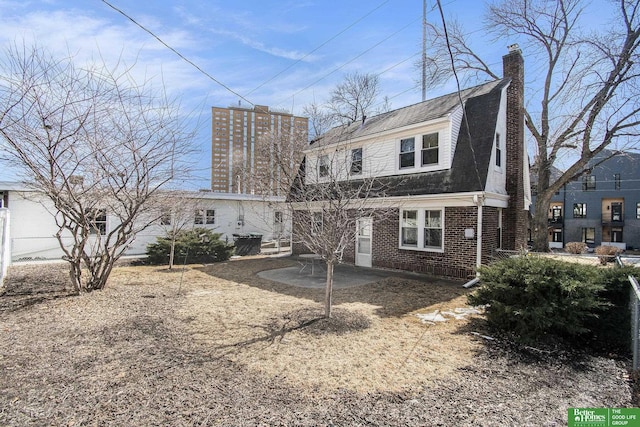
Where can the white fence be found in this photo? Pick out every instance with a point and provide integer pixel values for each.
(5, 246)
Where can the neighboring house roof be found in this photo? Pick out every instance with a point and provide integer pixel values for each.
(417, 113)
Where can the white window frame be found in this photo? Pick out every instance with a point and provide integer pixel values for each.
(499, 160)
(352, 163)
(317, 222)
(421, 227)
(278, 222)
(205, 217)
(418, 148)
(98, 225)
(323, 166)
(436, 149)
(405, 153)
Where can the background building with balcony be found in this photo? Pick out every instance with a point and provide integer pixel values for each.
(600, 208)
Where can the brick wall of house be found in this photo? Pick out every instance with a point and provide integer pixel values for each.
(515, 216)
(489, 233)
(458, 260)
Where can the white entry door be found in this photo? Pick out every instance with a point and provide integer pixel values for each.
(363, 242)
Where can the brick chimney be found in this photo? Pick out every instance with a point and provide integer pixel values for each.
(515, 217)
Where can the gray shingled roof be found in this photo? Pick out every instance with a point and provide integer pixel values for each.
(417, 113)
(472, 156)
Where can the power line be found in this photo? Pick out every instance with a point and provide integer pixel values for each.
(181, 56)
(351, 60)
(322, 45)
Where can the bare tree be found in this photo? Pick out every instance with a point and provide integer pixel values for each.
(320, 119)
(327, 194)
(354, 98)
(96, 144)
(586, 85)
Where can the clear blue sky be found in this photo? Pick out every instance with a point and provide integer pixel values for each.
(283, 54)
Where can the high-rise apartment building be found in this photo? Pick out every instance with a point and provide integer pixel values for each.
(235, 136)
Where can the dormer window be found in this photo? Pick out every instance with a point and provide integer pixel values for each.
(407, 153)
(430, 149)
(323, 166)
(356, 161)
(420, 151)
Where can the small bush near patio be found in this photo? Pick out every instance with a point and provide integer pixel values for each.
(199, 245)
(575, 247)
(537, 298)
(606, 253)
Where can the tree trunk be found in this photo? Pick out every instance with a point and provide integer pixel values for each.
(540, 222)
(75, 275)
(328, 290)
(172, 252)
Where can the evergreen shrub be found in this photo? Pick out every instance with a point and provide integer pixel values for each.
(536, 298)
(199, 245)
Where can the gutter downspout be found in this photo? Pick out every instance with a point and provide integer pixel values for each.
(479, 201)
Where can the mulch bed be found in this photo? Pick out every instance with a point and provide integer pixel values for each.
(141, 353)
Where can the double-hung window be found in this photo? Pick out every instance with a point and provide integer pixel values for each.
(421, 229)
(426, 153)
(323, 166)
(407, 153)
(356, 161)
(409, 226)
(429, 149)
(433, 229)
(498, 151)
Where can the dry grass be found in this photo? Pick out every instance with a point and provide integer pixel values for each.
(234, 349)
(269, 332)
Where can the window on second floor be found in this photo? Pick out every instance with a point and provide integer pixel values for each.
(616, 181)
(323, 166)
(429, 149)
(498, 151)
(407, 153)
(579, 210)
(425, 154)
(588, 182)
(638, 210)
(356, 161)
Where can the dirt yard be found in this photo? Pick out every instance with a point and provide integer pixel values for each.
(220, 346)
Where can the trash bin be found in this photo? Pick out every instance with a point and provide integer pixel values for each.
(247, 244)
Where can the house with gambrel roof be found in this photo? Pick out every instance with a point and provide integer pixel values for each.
(455, 175)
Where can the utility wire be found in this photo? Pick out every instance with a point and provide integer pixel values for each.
(350, 61)
(322, 45)
(455, 75)
(193, 64)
